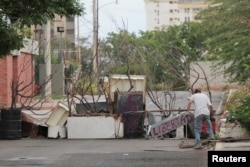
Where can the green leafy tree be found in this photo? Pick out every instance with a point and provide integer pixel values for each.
(226, 23)
(238, 105)
(172, 49)
(163, 55)
(9, 38)
(123, 51)
(16, 14)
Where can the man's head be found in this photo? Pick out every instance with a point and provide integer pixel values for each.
(197, 90)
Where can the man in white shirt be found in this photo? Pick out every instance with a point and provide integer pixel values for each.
(203, 107)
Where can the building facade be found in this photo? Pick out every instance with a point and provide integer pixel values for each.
(17, 71)
(67, 23)
(164, 13)
(206, 73)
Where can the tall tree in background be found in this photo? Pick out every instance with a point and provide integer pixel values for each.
(176, 47)
(15, 14)
(163, 55)
(227, 25)
(123, 51)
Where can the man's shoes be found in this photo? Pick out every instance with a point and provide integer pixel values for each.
(199, 146)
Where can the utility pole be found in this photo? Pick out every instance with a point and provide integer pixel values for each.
(95, 35)
(95, 38)
(78, 40)
(47, 60)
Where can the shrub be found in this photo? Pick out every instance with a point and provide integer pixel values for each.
(87, 88)
(239, 107)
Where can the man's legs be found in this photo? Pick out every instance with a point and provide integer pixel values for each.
(197, 129)
(209, 126)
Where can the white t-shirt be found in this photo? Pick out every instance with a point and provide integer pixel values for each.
(201, 103)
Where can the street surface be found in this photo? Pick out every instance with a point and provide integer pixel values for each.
(99, 153)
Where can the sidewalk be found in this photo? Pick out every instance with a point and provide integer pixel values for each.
(233, 146)
(232, 136)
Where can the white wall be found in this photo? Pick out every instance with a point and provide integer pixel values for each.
(215, 76)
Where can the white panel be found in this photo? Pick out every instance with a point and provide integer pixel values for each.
(58, 116)
(122, 83)
(235, 131)
(94, 127)
(57, 132)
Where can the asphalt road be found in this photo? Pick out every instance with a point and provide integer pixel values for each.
(99, 153)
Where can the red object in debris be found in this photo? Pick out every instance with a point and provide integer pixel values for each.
(204, 133)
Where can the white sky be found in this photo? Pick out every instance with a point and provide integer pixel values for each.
(126, 14)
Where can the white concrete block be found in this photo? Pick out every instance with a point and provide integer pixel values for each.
(94, 127)
(58, 116)
(57, 132)
(233, 131)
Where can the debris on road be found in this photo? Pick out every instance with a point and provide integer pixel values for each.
(183, 145)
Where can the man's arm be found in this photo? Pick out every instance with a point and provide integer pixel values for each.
(189, 105)
(211, 109)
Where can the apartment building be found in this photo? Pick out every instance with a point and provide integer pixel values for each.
(62, 44)
(163, 13)
(68, 25)
(190, 8)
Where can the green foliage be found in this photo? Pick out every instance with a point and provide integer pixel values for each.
(135, 69)
(121, 46)
(25, 31)
(87, 88)
(16, 14)
(226, 24)
(54, 97)
(9, 39)
(163, 55)
(69, 71)
(39, 59)
(239, 107)
(33, 12)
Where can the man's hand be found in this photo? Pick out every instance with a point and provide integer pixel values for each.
(186, 113)
(212, 112)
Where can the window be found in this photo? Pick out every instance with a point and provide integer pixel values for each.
(70, 31)
(187, 19)
(157, 21)
(71, 19)
(196, 9)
